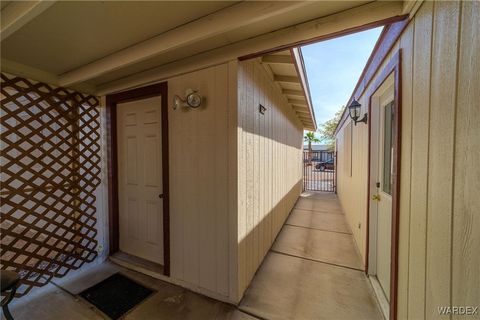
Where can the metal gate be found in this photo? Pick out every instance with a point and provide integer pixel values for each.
(319, 170)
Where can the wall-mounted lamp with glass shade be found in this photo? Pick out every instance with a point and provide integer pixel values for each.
(354, 110)
(192, 99)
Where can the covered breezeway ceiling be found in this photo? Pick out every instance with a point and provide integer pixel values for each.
(99, 42)
(71, 34)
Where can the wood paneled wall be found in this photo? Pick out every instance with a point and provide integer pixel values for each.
(269, 166)
(234, 176)
(200, 140)
(439, 241)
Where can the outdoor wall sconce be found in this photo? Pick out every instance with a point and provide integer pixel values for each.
(192, 100)
(354, 112)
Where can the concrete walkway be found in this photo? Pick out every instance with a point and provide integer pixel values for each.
(59, 300)
(313, 270)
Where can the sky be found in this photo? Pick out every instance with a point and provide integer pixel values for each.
(333, 68)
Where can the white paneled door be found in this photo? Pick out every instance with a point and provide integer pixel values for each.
(382, 120)
(140, 178)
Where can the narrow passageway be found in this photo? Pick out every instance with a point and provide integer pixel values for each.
(313, 270)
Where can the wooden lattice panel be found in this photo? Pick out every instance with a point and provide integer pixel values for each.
(50, 168)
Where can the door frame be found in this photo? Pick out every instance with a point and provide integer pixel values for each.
(112, 100)
(393, 66)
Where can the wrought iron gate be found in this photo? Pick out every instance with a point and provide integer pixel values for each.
(319, 171)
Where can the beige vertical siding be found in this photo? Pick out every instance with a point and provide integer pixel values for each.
(269, 166)
(199, 182)
(352, 177)
(439, 261)
(219, 235)
(466, 182)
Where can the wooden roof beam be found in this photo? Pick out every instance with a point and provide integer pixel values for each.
(286, 79)
(302, 112)
(18, 13)
(297, 93)
(304, 117)
(365, 16)
(231, 18)
(302, 108)
(277, 59)
(298, 102)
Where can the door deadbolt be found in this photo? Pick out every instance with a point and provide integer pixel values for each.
(160, 196)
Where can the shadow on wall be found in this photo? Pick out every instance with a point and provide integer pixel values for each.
(258, 229)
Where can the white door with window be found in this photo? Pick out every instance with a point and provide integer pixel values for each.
(140, 178)
(381, 186)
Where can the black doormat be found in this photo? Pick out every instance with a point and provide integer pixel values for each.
(116, 295)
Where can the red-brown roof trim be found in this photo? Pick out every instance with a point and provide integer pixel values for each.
(384, 44)
(325, 37)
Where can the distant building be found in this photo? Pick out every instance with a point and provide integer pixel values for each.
(316, 154)
(317, 147)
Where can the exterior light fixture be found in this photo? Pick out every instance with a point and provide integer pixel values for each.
(192, 99)
(354, 112)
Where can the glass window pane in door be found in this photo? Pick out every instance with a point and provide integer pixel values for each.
(388, 149)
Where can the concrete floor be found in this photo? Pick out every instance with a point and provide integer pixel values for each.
(58, 300)
(313, 271)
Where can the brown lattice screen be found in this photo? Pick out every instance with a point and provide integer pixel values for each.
(50, 166)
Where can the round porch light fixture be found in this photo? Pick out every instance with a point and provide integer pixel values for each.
(192, 99)
(354, 112)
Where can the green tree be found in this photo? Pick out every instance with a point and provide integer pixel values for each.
(309, 138)
(327, 129)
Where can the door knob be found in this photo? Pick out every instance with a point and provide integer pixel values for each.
(376, 197)
(160, 195)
